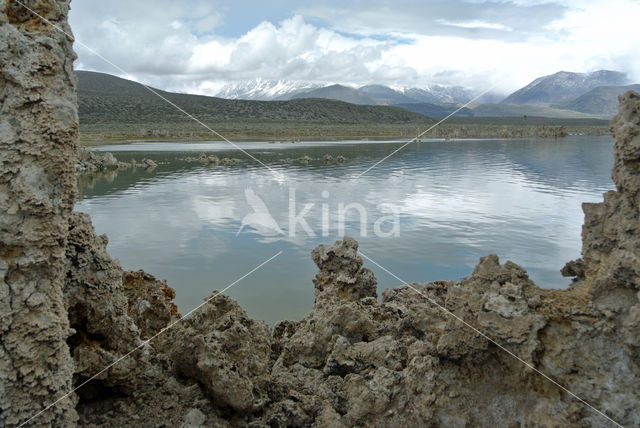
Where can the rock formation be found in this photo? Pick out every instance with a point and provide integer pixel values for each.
(112, 312)
(71, 317)
(90, 163)
(355, 360)
(38, 132)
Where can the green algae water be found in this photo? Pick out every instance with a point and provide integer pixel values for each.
(427, 213)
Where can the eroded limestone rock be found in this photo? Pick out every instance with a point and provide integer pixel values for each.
(150, 302)
(112, 312)
(38, 132)
(341, 274)
(407, 360)
(89, 162)
(225, 350)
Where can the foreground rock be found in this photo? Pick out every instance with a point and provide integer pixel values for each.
(354, 361)
(112, 312)
(38, 132)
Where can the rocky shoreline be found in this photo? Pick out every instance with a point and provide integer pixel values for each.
(70, 313)
(89, 162)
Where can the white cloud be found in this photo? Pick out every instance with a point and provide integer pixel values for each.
(475, 24)
(474, 44)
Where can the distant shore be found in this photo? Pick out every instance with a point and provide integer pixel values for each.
(453, 128)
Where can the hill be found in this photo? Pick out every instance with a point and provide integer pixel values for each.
(436, 110)
(91, 83)
(339, 93)
(602, 100)
(106, 98)
(564, 86)
(385, 95)
(109, 105)
(115, 108)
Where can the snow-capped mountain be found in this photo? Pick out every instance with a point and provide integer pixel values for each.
(262, 89)
(564, 86)
(385, 95)
(265, 90)
(438, 94)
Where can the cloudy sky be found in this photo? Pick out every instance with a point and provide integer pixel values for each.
(199, 45)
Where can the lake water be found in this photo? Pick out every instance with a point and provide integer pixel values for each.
(449, 202)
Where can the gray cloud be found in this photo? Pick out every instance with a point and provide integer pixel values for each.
(455, 18)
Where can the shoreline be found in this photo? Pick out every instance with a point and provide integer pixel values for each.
(336, 138)
(505, 127)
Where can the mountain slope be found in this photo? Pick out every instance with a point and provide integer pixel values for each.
(436, 110)
(385, 95)
(92, 82)
(340, 93)
(515, 110)
(270, 90)
(103, 98)
(602, 100)
(439, 94)
(564, 86)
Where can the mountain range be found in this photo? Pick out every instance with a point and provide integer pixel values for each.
(104, 98)
(265, 90)
(562, 87)
(600, 100)
(340, 93)
(277, 90)
(563, 94)
(560, 95)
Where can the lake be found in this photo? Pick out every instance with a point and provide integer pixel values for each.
(427, 213)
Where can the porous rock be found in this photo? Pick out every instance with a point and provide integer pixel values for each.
(89, 162)
(225, 350)
(114, 315)
(38, 132)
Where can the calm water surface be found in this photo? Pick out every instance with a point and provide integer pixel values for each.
(457, 201)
